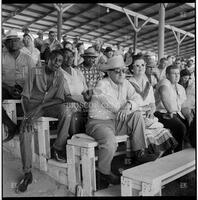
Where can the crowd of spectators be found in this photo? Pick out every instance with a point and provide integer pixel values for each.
(117, 93)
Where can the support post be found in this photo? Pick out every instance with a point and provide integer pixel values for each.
(161, 31)
(60, 20)
(135, 34)
(178, 44)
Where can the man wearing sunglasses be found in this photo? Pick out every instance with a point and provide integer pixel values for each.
(114, 111)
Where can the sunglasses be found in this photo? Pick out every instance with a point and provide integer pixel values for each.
(118, 71)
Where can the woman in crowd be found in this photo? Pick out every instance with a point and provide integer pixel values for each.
(158, 137)
(30, 49)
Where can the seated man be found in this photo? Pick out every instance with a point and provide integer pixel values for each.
(170, 96)
(43, 95)
(113, 111)
(15, 67)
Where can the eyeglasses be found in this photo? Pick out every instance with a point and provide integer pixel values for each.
(118, 71)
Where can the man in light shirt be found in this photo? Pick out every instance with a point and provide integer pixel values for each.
(170, 96)
(15, 67)
(114, 111)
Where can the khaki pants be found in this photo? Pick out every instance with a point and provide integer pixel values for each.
(104, 131)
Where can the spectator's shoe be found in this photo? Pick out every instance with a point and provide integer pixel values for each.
(110, 178)
(59, 156)
(24, 182)
(101, 182)
(11, 134)
(142, 156)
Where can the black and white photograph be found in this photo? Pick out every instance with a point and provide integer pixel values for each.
(98, 99)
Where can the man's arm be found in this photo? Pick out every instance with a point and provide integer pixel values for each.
(165, 97)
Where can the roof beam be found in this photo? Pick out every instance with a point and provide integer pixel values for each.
(89, 21)
(70, 18)
(41, 17)
(191, 5)
(16, 12)
(114, 20)
(120, 9)
(153, 26)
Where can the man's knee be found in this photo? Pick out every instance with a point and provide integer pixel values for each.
(109, 143)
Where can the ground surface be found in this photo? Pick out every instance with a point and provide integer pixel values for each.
(44, 186)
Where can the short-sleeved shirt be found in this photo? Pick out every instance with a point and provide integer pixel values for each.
(35, 88)
(15, 71)
(52, 45)
(35, 54)
(177, 96)
(92, 75)
(74, 82)
(109, 97)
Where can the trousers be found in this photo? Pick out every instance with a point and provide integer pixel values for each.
(104, 132)
(64, 116)
(177, 126)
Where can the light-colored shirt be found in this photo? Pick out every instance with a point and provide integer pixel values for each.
(37, 90)
(177, 96)
(75, 81)
(150, 97)
(162, 73)
(55, 44)
(190, 94)
(109, 97)
(15, 71)
(35, 54)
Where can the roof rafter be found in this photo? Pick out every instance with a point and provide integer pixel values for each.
(112, 6)
(70, 18)
(16, 12)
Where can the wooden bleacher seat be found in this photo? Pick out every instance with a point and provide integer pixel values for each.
(81, 152)
(147, 179)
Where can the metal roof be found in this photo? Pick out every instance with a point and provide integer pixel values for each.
(94, 21)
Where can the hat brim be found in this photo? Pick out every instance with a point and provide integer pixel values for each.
(11, 37)
(88, 55)
(106, 68)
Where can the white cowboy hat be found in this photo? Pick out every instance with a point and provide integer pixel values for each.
(11, 34)
(116, 62)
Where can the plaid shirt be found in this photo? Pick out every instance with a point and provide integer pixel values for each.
(92, 75)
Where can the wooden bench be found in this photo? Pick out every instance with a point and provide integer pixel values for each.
(81, 153)
(40, 139)
(147, 179)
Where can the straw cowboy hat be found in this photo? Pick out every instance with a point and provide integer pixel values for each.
(114, 63)
(11, 34)
(90, 52)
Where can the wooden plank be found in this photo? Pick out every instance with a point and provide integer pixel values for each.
(72, 179)
(164, 167)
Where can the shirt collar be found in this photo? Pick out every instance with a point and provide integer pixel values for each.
(114, 86)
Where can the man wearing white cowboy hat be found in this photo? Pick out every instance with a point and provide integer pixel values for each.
(88, 67)
(15, 66)
(114, 111)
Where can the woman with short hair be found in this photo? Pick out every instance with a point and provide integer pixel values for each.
(159, 138)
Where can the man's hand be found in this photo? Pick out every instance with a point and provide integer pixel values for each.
(123, 112)
(87, 95)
